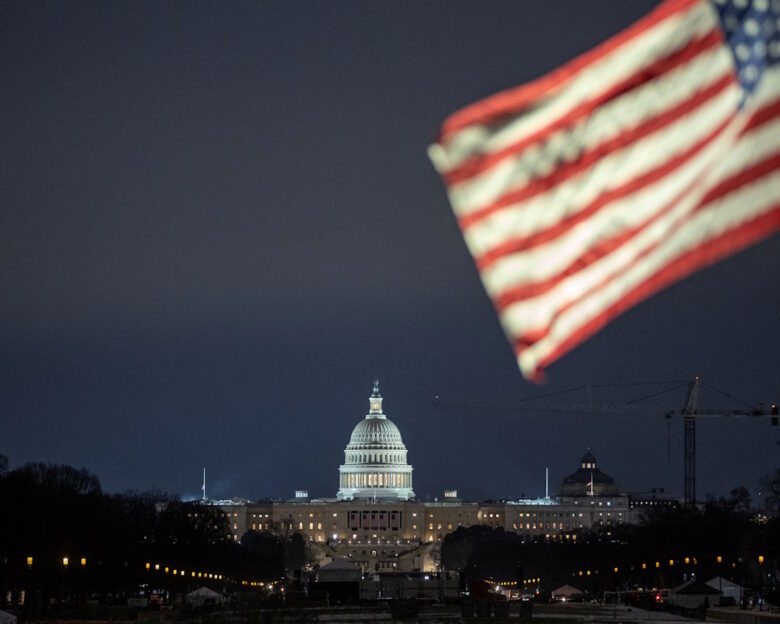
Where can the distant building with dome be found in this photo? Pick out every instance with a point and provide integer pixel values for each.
(588, 480)
(375, 459)
(375, 521)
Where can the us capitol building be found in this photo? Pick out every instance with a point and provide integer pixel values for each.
(376, 522)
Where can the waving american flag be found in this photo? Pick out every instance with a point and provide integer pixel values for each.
(591, 188)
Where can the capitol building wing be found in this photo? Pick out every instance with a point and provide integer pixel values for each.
(375, 459)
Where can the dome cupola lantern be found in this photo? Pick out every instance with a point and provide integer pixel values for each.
(375, 401)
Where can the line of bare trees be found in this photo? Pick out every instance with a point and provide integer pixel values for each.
(724, 537)
(65, 541)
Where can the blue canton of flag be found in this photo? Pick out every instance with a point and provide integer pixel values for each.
(752, 29)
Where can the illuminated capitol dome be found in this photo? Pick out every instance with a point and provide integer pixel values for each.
(375, 459)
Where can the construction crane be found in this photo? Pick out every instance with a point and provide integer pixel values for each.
(690, 413)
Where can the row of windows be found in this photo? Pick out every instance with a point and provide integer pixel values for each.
(546, 515)
(439, 525)
(556, 526)
(376, 479)
(379, 520)
(374, 458)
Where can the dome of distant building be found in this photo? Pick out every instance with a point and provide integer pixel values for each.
(589, 480)
(375, 459)
(376, 433)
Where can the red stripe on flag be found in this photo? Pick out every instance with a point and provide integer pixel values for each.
(743, 177)
(653, 176)
(762, 115)
(713, 250)
(478, 164)
(513, 101)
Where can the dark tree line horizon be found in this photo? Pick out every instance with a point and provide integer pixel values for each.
(54, 511)
(723, 537)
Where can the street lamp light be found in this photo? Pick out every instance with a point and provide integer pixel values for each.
(65, 561)
(29, 562)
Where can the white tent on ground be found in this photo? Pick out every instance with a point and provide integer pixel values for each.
(566, 593)
(729, 588)
(694, 594)
(7, 618)
(204, 596)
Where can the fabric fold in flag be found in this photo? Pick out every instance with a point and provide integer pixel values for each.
(651, 156)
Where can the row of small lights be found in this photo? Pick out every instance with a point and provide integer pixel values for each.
(65, 561)
(686, 560)
(177, 572)
(157, 567)
(209, 575)
(514, 583)
(616, 569)
(257, 584)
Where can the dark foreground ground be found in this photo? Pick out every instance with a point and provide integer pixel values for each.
(451, 614)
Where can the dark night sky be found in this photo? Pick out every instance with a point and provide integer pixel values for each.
(218, 222)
